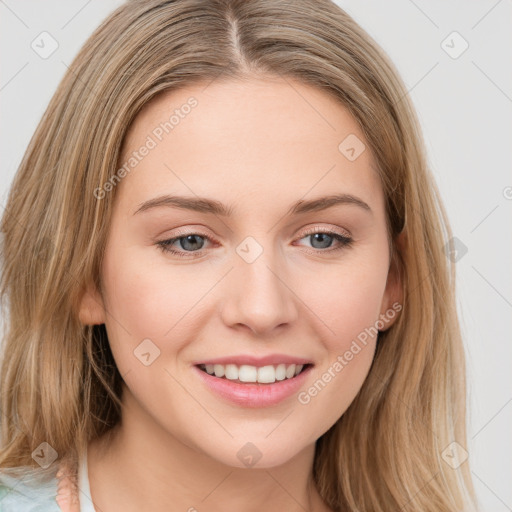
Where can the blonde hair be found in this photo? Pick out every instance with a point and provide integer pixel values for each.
(59, 381)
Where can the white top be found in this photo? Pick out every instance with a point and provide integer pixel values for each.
(29, 489)
(83, 484)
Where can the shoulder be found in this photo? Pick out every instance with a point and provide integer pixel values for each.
(29, 489)
(26, 489)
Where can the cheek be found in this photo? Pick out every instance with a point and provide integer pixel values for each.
(336, 384)
(149, 299)
(141, 306)
(349, 310)
(347, 301)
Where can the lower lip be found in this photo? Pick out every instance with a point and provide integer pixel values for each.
(254, 394)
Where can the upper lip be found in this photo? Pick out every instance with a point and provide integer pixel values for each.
(269, 359)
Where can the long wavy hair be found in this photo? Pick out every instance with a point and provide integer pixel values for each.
(59, 381)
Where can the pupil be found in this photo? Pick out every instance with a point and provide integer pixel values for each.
(321, 235)
(191, 239)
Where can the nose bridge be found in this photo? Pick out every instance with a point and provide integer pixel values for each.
(259, 294)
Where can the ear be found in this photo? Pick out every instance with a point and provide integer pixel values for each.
(392, 300)
(91, 308)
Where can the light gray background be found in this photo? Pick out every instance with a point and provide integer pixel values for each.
(464, 105)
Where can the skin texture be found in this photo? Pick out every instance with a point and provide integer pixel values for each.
(257, 145)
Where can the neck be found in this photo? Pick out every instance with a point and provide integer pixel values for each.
(140, 466)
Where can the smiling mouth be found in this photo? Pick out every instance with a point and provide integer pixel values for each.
(247, 374)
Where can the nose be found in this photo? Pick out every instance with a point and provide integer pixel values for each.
(259, 296)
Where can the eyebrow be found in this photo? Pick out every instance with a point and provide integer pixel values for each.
(206, 205)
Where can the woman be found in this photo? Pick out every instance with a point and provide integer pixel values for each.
(173, 340)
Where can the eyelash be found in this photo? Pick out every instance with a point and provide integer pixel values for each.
(344, 242)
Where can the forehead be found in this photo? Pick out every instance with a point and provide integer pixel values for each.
(275, 139)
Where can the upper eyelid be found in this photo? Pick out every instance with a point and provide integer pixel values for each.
(306, 232)
(321, 229)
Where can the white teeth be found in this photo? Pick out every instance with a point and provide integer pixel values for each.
(266, 374)
(248, 373)
(231, 372)
(290, 371)
(281, 372)
(219, 370)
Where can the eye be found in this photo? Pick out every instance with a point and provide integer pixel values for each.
(191, 243)
(322, 240)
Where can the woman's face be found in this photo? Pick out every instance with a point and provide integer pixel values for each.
(229, 176)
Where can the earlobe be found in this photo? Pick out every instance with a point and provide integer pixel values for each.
(392, 301)
(91, 309)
